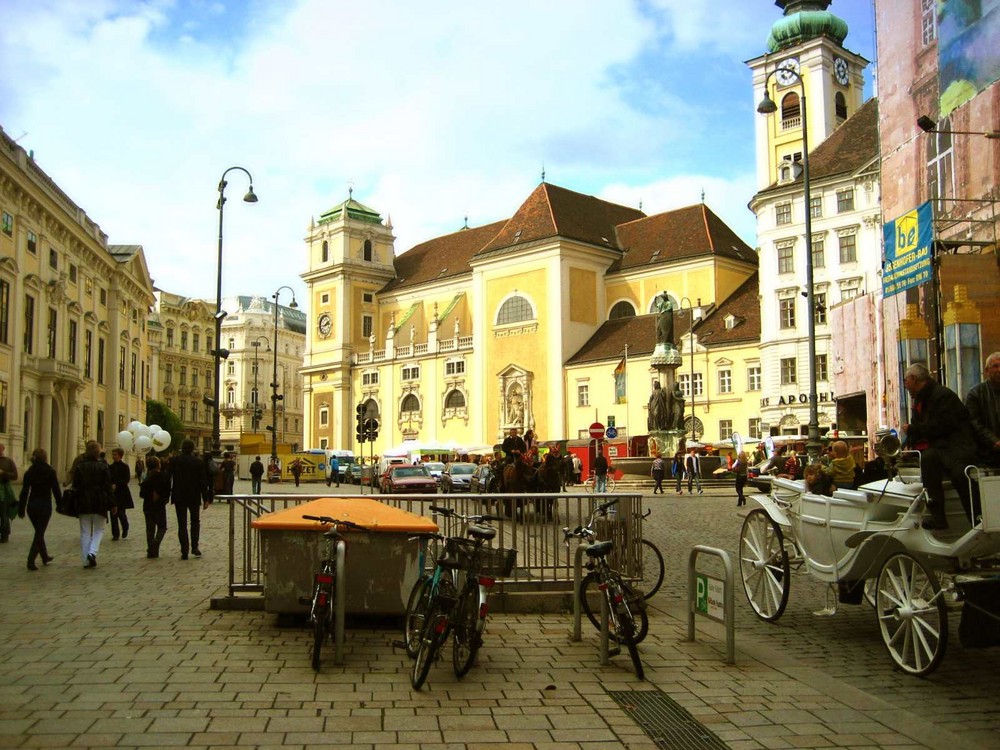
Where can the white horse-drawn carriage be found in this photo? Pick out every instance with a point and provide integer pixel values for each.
(869, 544)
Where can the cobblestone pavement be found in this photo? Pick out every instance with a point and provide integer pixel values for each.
(130, 655)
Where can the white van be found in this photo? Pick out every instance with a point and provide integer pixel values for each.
(383, 466)
(344, 461)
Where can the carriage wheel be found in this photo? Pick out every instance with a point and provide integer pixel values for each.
(911, 614)
(764, 565)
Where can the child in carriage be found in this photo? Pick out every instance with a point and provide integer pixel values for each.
(842, 467)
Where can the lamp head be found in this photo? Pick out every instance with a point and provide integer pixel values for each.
(221, 315)
(767, 105)
(926, 124)
(294, 305)
(251, 196)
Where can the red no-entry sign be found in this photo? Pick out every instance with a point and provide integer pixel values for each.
(596, 430)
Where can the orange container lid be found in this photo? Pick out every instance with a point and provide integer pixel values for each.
(365, 512)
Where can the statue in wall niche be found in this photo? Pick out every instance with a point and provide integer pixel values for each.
(515, 409)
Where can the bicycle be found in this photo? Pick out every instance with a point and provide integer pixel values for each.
(321, 604)
(445, 603)
(590, 483)
(627, 617)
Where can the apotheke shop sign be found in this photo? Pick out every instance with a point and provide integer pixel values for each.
(796, 398)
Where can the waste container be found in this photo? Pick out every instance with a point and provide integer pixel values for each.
(382, 564)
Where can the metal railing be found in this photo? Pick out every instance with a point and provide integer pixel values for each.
(532, 523)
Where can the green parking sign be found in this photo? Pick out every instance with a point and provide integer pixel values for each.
(709, 597)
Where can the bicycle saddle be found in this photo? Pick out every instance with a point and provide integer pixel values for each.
(599, 549)
(481, 532)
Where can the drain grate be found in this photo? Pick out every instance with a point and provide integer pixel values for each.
(666, 722)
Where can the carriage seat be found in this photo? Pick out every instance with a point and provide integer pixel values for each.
(855, 496)
(797, 486)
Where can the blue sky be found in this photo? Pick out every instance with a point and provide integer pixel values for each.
(430, 111)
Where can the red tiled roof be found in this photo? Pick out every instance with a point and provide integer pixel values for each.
(441, 257)
(687, 232)
(744, 305)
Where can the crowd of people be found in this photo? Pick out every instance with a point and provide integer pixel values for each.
(97, 493)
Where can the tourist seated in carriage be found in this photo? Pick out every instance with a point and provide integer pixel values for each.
(842, 469)
(818, 481)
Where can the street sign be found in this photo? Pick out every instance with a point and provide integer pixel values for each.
(709, 597)
(612, 433)
(596, 430)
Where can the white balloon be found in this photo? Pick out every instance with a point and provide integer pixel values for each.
(143, 443)
(153, 429)
(125, 440)
(142, 430)
(161, 440)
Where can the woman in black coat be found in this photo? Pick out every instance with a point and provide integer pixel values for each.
(120, 476)
(40, 484)
(95, 497)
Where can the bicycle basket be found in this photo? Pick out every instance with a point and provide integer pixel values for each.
(497, 562)
(458, 552)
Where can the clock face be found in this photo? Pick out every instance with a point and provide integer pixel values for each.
(325, 325)
(788, 71)
(840, 70)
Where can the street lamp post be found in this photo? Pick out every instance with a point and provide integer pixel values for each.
(256, 399)
(768, 107)
(218, 353)
(275, 398)
(690, 309)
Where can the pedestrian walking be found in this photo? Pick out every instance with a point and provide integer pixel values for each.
(334, 475)
(140, 469)
(95, 499)
(296, 469)
(677, 470)
(40, 484)
(256, 474)
(577, 469)
(8, 503)
(740, 467)
(692, 467)
(656, 471)
(190, 493)
(120, 476)
(155, 494)
(228, 474)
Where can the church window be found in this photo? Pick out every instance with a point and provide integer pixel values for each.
(516, 309)
(410, 404)
(326, 251)
(791, 112)
(454, 400)
(840, 106)
(368, 250)
(623, 309)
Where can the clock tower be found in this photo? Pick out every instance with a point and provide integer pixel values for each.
(806, 54)
(350, 258)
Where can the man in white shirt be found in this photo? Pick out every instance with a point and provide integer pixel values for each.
(692, 467)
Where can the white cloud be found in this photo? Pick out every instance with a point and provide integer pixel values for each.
(431, 112)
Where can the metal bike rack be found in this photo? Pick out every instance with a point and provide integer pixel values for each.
(339, 603)
(578, 607)
(728, 607)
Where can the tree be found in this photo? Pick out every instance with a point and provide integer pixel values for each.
(159, 413)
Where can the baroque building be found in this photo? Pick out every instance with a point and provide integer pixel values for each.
(815, 81)
(467, 335)
(74, 358)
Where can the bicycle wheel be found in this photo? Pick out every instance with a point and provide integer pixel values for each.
(465, 638)
(589, 484)
(590, 593)
(611, 484)
(652, 569)
(321, 617)
(434, 633)
(624, 628)
(416, 613)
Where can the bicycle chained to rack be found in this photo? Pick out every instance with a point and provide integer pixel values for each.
(322, 604)
(452, 599)
(627, 620)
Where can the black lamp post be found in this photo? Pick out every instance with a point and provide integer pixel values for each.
(768, 107)
(256, 400)
(275, 398)
(690, 309)
(219, 353)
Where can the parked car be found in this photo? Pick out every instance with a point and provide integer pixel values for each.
(457, 476)
(408, 478)
(481, 479)
(436, 469)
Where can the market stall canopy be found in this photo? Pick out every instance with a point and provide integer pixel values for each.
(409, 447)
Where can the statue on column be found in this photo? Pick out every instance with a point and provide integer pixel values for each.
(664, 321)
(658, 414)
(677, 408)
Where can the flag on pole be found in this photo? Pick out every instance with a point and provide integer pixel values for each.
(620, 383)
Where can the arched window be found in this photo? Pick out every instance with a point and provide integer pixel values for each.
(368, 250)
(840, 106)
(454, 400)
(410, 404)
(516, 309)
(790, 110)
(326, 251)
(622, 309)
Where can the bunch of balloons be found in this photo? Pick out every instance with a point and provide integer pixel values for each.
(141, 438)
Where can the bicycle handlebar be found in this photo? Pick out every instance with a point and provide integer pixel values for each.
(335, 522)
(587, 532)
(474, 518)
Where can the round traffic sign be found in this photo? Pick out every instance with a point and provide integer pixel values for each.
(596, 430)
(612, 432)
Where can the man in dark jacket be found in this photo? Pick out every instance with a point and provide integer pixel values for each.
(983, 403)
(940, 428)
(190, 491)
(256, 472)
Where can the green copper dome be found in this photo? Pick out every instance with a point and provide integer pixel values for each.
(805, 20)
